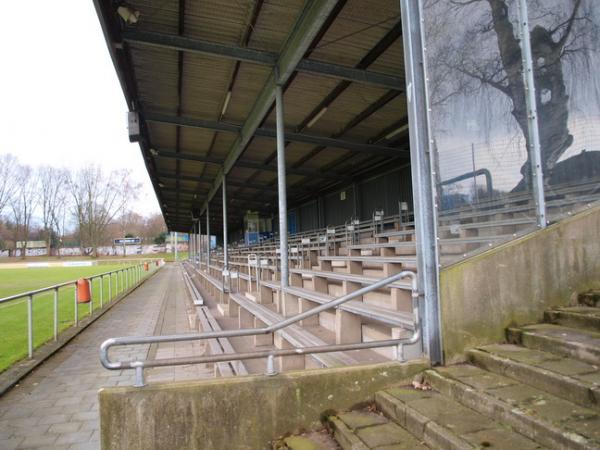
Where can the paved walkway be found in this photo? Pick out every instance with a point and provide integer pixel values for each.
(56, 407)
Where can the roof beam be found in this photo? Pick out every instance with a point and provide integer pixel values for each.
(241, 163)
(181, 43)
(271, 133)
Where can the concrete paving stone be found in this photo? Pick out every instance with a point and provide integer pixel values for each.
(10, 443)
(65, 427)
(90, 425)
(488, 380)
(74, 438)
(55, 418)
(92, 445)
(41, 441)
(85, 415)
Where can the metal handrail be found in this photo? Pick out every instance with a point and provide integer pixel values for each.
(126, 281)
(140, 365)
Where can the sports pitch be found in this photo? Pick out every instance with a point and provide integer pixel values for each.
(13, 315)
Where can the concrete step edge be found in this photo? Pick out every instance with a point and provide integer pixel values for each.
(562, 386)
(433, 434)
(534, 428)
(344, 436)
(573, 319)
(561, 347)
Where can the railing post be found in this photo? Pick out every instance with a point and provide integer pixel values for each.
(110, 275)
(56, 314)
(270, 366)
(76, 307)
(101, 291)
(91, 296)
(30, 325)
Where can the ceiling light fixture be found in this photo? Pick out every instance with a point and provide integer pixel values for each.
(395, 132)
(317, 117)
(226, 103)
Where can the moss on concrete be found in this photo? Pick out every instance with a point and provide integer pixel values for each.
(241, 413)
(515, 283)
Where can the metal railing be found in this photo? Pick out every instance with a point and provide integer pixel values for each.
(129, 276)
(140, 365)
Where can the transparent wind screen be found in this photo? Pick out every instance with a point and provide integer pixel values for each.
(478, 124)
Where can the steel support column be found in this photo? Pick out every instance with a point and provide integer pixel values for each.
(422, 178)
(281, 185)
(176, 249)
(207, 237)
(200, 251)
(225, 251)
(537, 175)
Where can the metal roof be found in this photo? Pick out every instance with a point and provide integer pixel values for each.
(201, 74)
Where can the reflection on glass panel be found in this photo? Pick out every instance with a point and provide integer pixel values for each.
(565, 43)
(478, 124)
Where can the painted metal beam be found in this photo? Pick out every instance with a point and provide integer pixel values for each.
(270, 133)
(186, 44)
(242, 163)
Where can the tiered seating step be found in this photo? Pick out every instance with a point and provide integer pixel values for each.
(294, 334)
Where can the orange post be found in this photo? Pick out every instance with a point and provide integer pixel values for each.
(84, 294)
(146, 268)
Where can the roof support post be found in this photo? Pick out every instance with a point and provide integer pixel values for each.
(207, 238)
(537, 176)
(176, 249)
(282, 194)
(225, 251)
(422, 179)
(200, 243)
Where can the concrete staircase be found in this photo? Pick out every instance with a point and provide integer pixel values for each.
(539, 390)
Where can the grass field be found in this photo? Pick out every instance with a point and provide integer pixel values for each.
(168, 257)
(13, 315)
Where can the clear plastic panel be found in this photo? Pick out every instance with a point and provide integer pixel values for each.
(565, 43)
(475, 83)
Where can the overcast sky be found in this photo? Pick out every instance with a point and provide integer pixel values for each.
(60, 99)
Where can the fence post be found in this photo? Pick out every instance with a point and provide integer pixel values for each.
(110, 287)
(91, 296)
(76, 307)
(56, 314)
(30, 325)
(101, 291)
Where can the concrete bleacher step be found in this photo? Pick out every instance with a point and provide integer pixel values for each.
(567, 378)
(577, 343)
(442, 422)
(316, 440)
(542, 417)
(364, 430)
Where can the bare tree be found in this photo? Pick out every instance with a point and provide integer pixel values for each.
(23, 205)
(482, 53)
(97, 200)
(53, 184)
(8, 184)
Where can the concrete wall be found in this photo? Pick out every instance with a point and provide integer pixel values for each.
(514, 283)
(240, 413)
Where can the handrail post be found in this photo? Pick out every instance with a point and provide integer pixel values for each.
(55, 314)
(76, 307)
(110, 276)
(91, 296)
(270, 366)
(30, 325)
(101, 291)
